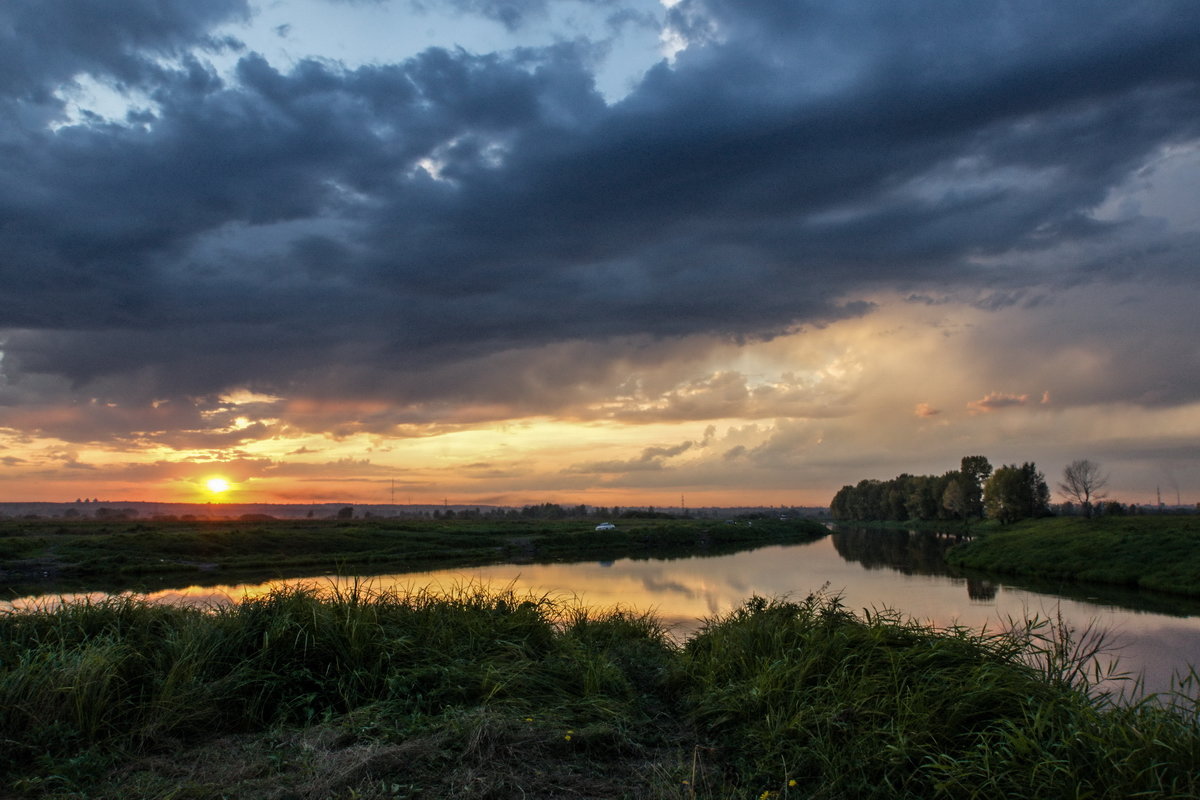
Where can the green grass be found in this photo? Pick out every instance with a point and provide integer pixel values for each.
(91, 687)
(1148, 552)
(476, 694)
(151, 554)
(848, 706)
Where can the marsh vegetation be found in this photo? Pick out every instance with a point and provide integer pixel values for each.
(130, 554)
(1155, 552)
(475, 694)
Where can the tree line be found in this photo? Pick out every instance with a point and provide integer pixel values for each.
(973, 491)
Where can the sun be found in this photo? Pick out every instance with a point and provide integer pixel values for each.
(217, 485)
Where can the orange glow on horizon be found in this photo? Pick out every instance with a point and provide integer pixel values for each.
(779, 423)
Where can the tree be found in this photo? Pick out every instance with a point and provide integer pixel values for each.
(954, 500)
(975, 472)
(1083, 481)
(1014, 493)
(923, 499)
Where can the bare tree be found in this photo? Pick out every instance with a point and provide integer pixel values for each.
(1083, 481)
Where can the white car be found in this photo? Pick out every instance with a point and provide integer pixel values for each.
(606, 526)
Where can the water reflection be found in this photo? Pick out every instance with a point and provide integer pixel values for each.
(923, 552)
(910, 552)
(982, 589)
(870, 570)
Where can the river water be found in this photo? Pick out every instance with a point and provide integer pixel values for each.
(1152, 636)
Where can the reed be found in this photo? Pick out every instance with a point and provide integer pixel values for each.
(487, 693)
(810, 697)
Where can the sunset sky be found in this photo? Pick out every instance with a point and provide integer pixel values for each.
(594, 251)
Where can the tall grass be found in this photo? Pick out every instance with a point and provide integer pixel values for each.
(528, 694)
(129, 676)
(810, 697)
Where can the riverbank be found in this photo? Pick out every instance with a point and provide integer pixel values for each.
(145, 555)
(1158, 552)
(477, 694)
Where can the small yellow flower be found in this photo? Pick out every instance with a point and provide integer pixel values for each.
(792, 782)
(529, 719)
(567, 737)
(569, 732)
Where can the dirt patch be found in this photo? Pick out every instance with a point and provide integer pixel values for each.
(480, 755)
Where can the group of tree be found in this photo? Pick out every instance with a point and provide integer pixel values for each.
(970, 492)
(540, 511)
(1014, 493)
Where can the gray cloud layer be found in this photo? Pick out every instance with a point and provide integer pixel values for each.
(407, 230)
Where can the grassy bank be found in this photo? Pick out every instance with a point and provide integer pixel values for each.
(491, 695)
(156, 554)
(1148, 552)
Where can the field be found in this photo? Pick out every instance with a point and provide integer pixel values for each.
(1158, 552)
(493, 695)
(108, 555)
(365, 693)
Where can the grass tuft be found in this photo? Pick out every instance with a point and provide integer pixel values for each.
(487, 693)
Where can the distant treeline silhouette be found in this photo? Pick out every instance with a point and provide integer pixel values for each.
(974, 491)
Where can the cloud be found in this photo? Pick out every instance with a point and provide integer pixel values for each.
(510, 13)
(730, 395)
(450, 237)
(926, 410)
(996, 401)
(652, 459)
(46, 47)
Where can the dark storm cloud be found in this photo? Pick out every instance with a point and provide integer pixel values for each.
(1134, 347)
(46, 43)
(324, 231)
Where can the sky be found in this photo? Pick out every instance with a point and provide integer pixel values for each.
(615, 252)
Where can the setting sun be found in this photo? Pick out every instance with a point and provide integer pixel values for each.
(980, 286)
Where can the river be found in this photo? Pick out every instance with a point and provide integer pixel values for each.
(1153, 636)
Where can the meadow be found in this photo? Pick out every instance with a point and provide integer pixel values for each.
(149, 554)
(1156, 552)
(484, 694)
